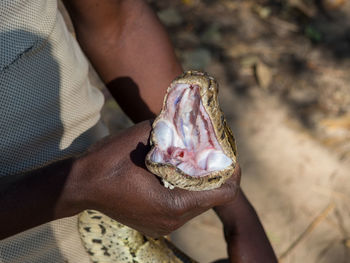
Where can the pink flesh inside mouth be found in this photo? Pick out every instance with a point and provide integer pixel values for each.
(185, 135)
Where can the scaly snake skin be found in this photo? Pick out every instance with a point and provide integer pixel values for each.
(108, 241)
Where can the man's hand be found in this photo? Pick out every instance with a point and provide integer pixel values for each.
(117, 183)
(111, 177)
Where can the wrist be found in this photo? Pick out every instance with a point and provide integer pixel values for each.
(228, 212)
(73, 198)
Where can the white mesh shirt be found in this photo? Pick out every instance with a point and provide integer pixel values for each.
(48, 111)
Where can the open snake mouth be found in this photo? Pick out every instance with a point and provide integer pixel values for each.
(184, 134)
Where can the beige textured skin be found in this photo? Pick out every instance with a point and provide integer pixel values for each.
(209, 96)
(108, 241)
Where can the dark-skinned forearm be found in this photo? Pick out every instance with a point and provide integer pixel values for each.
(130, 50)
(245, 236)
(31, 199)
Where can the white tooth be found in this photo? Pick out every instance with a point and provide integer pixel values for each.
(164, 134)
(217, 160)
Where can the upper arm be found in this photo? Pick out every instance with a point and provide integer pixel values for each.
(93, 15)
(124, 40)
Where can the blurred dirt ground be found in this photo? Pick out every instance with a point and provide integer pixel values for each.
(283, 70)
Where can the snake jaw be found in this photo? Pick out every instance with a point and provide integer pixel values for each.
(185, 135)
(193, 148)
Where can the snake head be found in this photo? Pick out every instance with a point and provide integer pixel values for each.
(192, 146)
